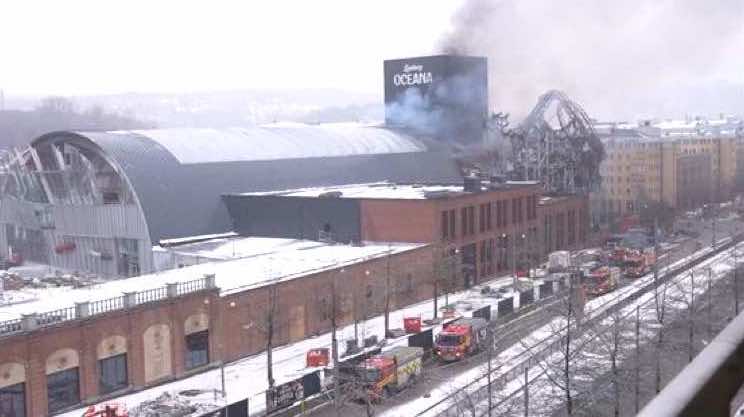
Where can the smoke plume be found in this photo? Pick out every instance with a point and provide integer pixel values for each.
(620, 59)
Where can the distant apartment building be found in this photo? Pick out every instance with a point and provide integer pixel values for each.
(675, 163)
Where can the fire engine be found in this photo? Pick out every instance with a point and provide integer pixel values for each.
(461, 338)
(601, 281)
(106, 410)
(638, 264)
(391, 371)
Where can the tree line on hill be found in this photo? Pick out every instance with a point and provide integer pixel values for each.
(19, 127)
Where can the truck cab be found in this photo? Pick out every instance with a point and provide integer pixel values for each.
(461, 338)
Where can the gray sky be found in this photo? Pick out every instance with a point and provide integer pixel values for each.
(76, 47)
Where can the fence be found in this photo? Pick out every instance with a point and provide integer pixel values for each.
(86, 309)
(529, 358)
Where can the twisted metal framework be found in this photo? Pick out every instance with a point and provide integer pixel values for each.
(556, 145)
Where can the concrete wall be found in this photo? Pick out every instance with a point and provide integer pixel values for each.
(294, 217)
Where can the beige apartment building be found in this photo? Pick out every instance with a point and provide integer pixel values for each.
(683, 172)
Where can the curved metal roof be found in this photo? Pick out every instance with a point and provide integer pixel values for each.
(179, 175)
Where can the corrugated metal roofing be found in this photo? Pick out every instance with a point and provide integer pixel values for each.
(279, 141)
(183, 199)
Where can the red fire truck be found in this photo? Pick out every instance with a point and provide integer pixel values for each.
(106, 410)
(601, 281)
(638, 263)
(391, 371)
(461, 338)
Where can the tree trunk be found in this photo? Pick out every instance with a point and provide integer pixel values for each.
(615, 385)
(270, 336)
(659, 341)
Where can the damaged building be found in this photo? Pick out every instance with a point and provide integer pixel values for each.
(99, 201)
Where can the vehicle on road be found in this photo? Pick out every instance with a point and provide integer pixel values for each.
(638, 264)
(391, 371)
(461, 338)
(601, 281)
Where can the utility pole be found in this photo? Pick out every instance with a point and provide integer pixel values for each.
(334, 348)
(638, 359)
(710, 305)
(690, 313)
(270, 334)
(736, 281)
(526, 392)
(490, 356)
(387, 294)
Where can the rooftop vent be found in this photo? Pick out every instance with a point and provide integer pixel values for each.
(436, 194)
(471, 184)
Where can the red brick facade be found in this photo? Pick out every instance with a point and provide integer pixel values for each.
(236, 323)
(564, 223)
(491, 228)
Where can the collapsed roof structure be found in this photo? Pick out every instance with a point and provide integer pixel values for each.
(555, 145)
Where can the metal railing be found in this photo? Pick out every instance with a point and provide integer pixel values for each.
(56, 316)
(191, 286)
(88, 309)
(528, 358)
(707, 385)
(103, 306)
(149, 296)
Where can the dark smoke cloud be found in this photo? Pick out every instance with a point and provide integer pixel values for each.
(618, 58)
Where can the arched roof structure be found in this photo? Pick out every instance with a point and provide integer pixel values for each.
(178, 175)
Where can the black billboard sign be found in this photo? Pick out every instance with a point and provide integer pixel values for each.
(238, 409)
(483, 312)
(423, 339)
(311, 384)
(284, 395)
(506, 306)
(546, 289)
(526, 297)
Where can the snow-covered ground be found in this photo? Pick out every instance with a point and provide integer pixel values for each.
(247, 377)
(540, 388)
(289, 259)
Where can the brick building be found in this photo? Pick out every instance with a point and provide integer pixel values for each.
(490, 228)
(564, 223)
(180, 322)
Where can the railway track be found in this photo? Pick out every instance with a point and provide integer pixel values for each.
(529, 356)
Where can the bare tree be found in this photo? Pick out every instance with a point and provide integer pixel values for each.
(563, 365)
(447, 269)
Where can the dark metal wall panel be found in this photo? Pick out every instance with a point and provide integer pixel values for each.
(444, 96)
(295, 217)
(181, 200)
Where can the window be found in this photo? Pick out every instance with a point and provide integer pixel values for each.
(452, 223)
(197, 349)
(515, 210)
(471, 220)
(13, 401)
(445, 225)
(489, 209)
(63, 389)
(482, 218)
(498, 214)
(464, 220)
(113, 373)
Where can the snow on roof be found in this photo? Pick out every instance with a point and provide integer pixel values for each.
(381, 190)
(386, 190)
(227, 248)
(283, 259)
(279, 141)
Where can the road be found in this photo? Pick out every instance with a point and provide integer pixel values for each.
(510, 335)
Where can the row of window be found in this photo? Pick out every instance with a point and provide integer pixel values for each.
(63, 387)
(523, 208)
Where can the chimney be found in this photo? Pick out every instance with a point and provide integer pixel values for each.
(471, 184)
